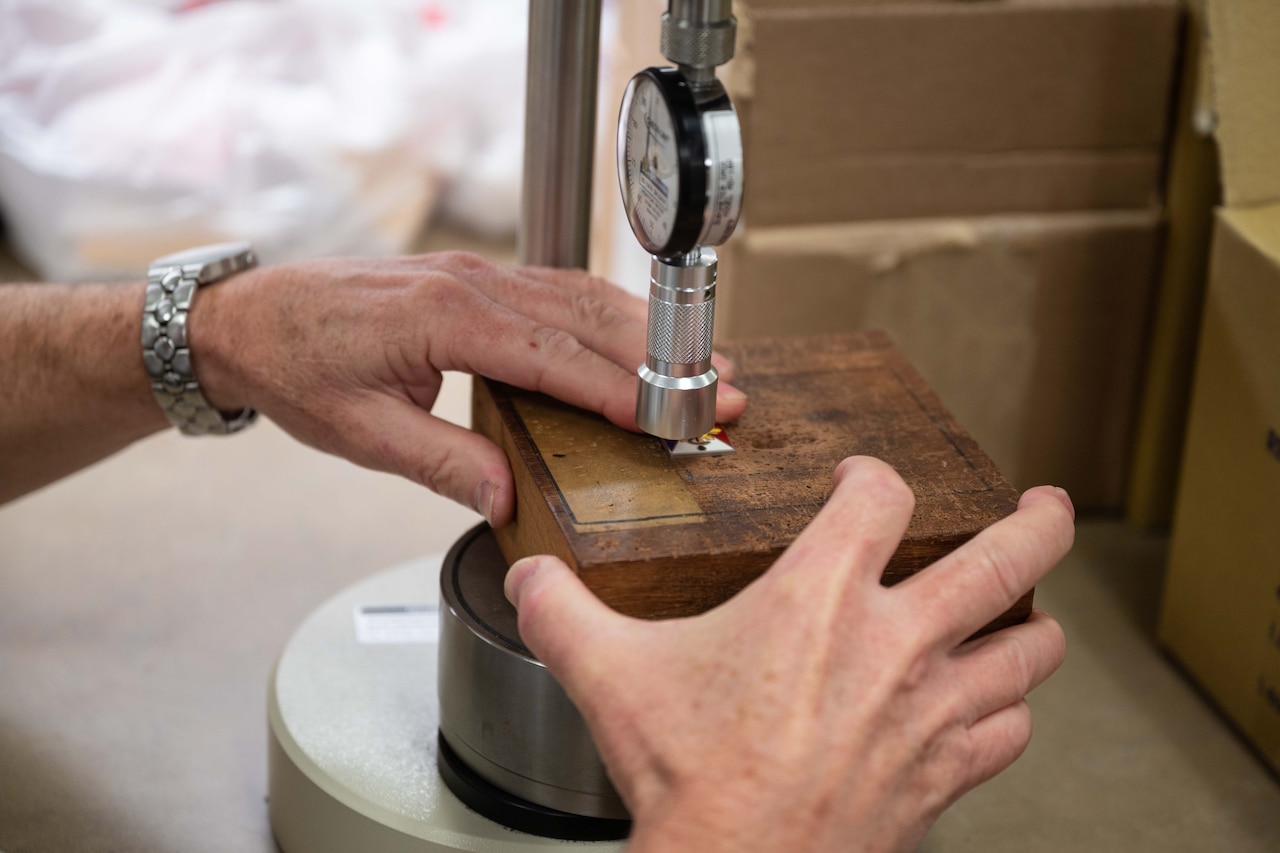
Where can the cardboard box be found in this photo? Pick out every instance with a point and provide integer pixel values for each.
(1030, 328)
(875, 110)
(1221, 610)
(885, 109)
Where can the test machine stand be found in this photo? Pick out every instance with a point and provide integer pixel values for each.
(365, 753)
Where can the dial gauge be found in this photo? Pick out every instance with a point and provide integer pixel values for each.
(679, 162)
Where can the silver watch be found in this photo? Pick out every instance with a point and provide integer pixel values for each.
(172, 282)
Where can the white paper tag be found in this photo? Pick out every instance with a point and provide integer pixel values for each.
(389, 624)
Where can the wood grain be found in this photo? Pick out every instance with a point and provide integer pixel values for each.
(657, 538)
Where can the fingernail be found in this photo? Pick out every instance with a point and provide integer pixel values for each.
(729, 394)
(485, 494)
(1062, 495)
(521, 570)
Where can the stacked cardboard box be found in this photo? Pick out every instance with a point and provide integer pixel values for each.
(981, 180)
(1028, 326)
(1221, 611)
(862, 110)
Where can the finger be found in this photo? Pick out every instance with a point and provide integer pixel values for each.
(511, 347)
(565, 625)
(1002, 668)
(859, 527)
(585, 321)
(393, 435)
(731, 402)
(602, 315)
(635, 307)
(983, 578)
(996, 741)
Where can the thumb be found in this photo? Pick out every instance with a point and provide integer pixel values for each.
(563, 623)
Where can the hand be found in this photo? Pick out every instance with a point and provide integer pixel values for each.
(347, 356)
(817, 709)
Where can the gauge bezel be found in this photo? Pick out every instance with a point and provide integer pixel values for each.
(691, 151)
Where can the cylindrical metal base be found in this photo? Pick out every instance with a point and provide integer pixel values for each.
(503, 714)
(353, 727)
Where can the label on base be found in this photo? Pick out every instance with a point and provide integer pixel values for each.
(397, 624)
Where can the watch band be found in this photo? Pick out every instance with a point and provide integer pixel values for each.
(172, 282)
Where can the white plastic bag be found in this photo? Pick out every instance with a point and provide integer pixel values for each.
(310, 127)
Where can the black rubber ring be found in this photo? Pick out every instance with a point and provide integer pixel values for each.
(516, 813)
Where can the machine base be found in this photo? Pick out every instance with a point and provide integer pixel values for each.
(353, 722)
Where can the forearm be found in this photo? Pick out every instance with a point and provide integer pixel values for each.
(72, 386)
(346, 355)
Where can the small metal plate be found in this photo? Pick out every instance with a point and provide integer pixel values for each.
(714, 443)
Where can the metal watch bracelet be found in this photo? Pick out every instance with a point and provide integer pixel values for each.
(172, 282)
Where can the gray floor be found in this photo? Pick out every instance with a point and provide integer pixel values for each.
(133, 664)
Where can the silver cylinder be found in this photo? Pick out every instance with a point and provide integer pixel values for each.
(677, 392)
(559, 132)
(500, 709)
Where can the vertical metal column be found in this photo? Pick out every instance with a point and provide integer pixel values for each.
(542, 773)
(559, 132)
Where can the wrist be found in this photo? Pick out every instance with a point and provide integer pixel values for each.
(692, 822)
(111, 369)
(738, 816)
(171, 343)
(218, 330)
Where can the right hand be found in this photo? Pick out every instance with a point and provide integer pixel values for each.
(816, 710)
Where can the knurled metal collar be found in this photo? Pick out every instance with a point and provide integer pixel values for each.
(700, 45)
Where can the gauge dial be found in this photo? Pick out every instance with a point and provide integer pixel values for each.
(679, 162)
(648, 162)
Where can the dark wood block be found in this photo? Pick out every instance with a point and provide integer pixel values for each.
(656, 537)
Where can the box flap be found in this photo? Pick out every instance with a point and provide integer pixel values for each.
(1260, 226)
(1244, 50)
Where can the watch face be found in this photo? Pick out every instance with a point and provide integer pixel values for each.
(210, 263)
(204, 254)
(649, 162)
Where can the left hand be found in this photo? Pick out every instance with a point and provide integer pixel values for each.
(347, 356)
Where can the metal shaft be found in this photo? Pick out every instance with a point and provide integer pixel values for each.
(559, 132)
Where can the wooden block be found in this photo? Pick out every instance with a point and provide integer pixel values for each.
(656, 537)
